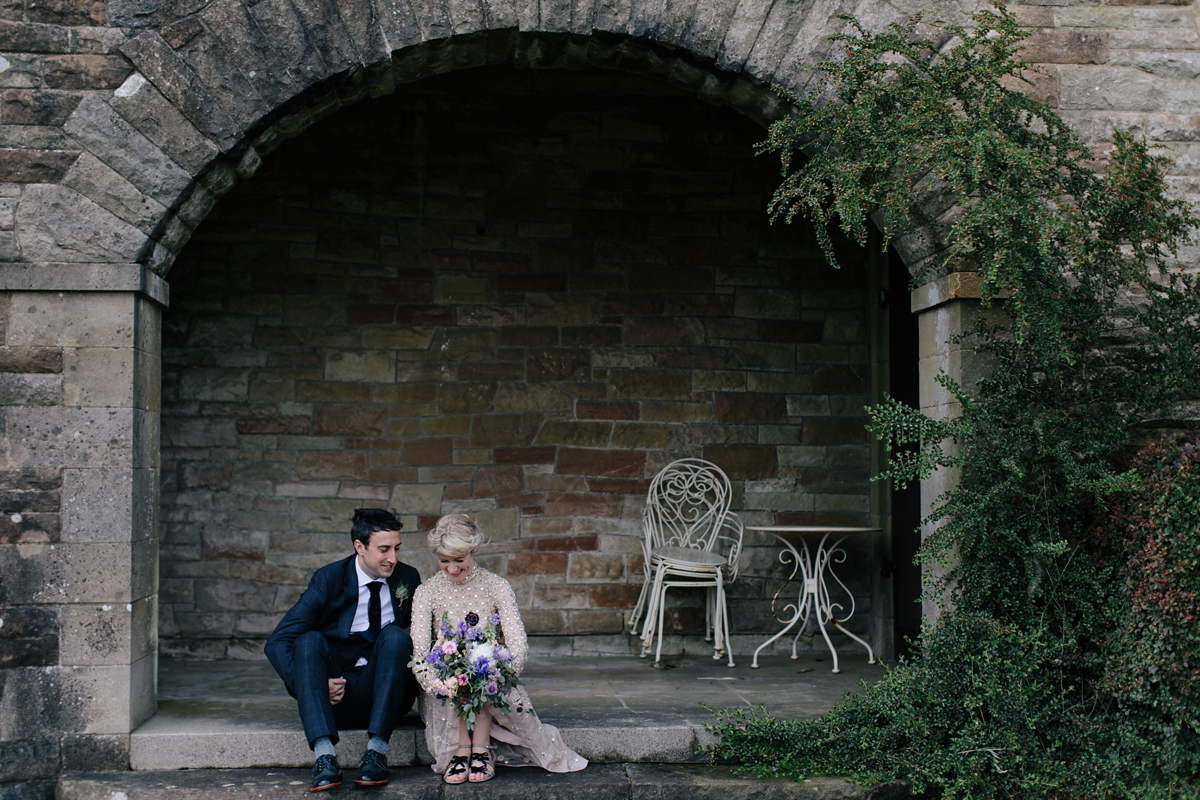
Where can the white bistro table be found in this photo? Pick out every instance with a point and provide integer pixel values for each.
(813, 601)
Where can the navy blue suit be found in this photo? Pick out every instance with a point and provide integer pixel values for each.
(313, 644)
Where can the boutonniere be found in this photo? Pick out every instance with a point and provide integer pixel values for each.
(402, 593)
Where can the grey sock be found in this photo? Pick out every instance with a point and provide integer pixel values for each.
(378, 744)
(323, 746)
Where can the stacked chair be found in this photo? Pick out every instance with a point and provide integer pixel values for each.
(692, 539)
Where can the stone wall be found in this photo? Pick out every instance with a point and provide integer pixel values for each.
(517, 294)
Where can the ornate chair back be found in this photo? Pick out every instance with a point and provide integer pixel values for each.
(687, 506)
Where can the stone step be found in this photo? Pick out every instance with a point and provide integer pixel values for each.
(598, 781)
(236, 715)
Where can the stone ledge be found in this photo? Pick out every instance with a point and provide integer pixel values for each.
(84, 278)
(955, 286)
(634, 781)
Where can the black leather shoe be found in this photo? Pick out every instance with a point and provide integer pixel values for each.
(326, 774)
(372, 769)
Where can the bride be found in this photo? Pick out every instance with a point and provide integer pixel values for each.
(461, 587)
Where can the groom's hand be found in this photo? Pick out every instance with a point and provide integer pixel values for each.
(337, 690)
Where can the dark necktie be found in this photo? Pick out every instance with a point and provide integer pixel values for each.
(374, 611)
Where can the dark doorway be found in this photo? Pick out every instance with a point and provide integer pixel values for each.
(906, 503)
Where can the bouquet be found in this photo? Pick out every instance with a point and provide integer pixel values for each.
(473, 668)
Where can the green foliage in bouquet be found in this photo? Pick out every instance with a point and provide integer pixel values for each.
(1027, 686)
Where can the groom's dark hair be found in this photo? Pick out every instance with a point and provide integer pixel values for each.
(368, 520)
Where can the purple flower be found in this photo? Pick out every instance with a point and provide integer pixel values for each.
(492, 688)
(433, 658)
(494, 619)
(482, 665)
(502, 654)
(446, 629)
(474, 635)
(463, 627)
(472, 618)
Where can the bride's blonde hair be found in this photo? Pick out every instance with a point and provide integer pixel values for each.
(455, 536)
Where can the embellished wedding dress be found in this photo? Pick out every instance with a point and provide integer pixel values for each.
(519, 738)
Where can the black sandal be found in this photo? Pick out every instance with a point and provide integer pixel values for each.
(456, 771)
(486, 768)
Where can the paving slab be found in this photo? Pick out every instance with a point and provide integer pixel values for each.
(613, 710)
(597, 782)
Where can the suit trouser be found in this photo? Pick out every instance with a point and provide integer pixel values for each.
(375, 697)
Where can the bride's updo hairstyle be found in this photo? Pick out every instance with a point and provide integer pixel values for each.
(455, 536)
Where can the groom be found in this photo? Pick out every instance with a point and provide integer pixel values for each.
(343, 649)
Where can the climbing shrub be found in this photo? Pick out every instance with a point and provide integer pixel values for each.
(1027, 685)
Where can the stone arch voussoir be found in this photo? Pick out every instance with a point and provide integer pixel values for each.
(219, 88)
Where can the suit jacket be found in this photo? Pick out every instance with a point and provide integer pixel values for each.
(328, 606)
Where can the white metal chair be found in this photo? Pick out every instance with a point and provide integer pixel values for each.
(692, 539)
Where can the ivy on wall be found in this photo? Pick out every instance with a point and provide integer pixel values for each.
(1029, 685)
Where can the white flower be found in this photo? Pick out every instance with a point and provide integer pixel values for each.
(402, 592)
(481, 649)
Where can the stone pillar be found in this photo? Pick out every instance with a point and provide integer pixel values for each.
(79, 460)
(946, 307)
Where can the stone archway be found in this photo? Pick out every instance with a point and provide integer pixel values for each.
(95, 238)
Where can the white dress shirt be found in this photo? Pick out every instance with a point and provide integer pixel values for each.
(361, 615)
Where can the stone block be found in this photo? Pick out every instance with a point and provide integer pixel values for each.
(537, 563)
(372, 366)
(533, 397)
(56, 223)
(348, 420)
(63, 437)
(331, 465)
(742, 407)
(144, 107)
(30, 390)
(582, 504)
(577, 433)
(1066, 47)
(102, 376)
(416, 498)
(31, 360)
(36, 166)
(650, 384)
(216, 384)
(30, 528)
(623, 595)
(332, 515)
(1109, 89)
(557, 364)
(610, 463)
(648, 436)
(467, 398)
(108, 634)
(525, 455)
(464, 344)
(109, 505)
(95, 753)
(559, 309)
(455, 289)
(496, 480)
(678, 412)
(426, 452)
(220, 544)
(114, 141)
(723, 434)
(85, 71)
(596, 568)
(664, 331)
(595, 621)
(838, 379)
(504, 430)
(744, 462)
(30, 759)
(234, 595)
(762, 356)
(500, 525)
(766, 304)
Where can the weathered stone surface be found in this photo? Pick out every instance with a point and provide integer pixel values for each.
(30, 390)
(1109, 89)
(504, 430)
(167, 71)
(284, 32)
(85, 71)
(96, 126)
(744, 461)
(96, 181)
(55, 223)
(36, 166)
(34, 107)
(144, 107)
